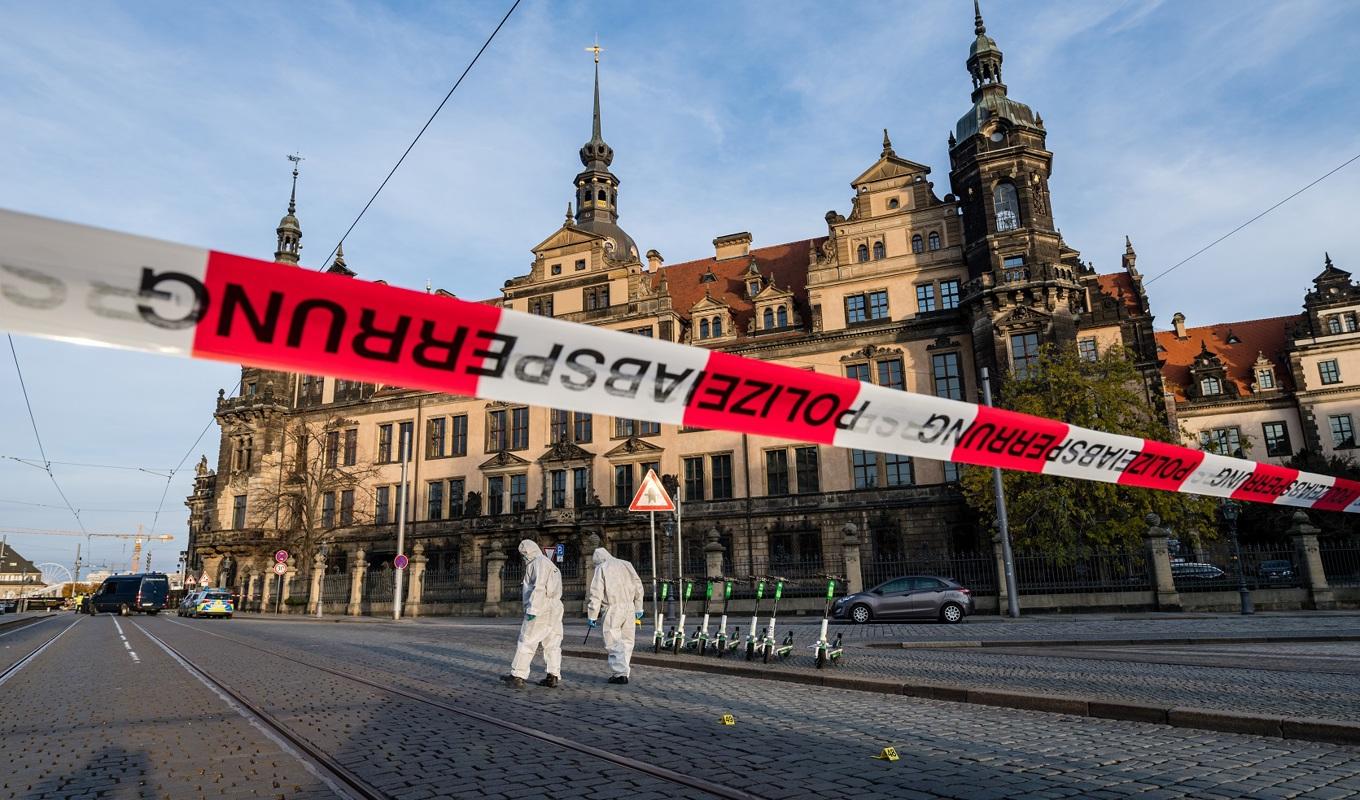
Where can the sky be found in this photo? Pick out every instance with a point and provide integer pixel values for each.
(1170, 122)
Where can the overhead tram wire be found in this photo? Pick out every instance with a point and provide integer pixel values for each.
(1337, 169)
(47, 465)
(327, 260)
(32, 463)
(187, 455)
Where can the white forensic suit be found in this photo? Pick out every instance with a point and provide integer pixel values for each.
(541, 592)
(618, 589)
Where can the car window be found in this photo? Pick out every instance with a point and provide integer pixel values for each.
(929, 584)
(216, 596)
(893, 587)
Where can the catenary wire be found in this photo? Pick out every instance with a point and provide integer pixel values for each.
(327, 260)
(34, 463)
(1342, 166)
(47, 465)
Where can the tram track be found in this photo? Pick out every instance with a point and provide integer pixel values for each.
(366, 790)
(13, 669)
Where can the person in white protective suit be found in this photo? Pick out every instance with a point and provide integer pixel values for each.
(618, 589)
(541, 591)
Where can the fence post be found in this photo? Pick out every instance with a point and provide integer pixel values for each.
(415, 587)
(495, 562)
(713, 568)
(1002, 596)
(318, 573)
(1304, 534)
(1159, 560)
(356, 583)
(854, 569)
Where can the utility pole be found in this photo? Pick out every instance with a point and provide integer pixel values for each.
(401, 525)
(75, 575)
(1002, 525)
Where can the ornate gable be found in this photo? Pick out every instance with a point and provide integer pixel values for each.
(567, 236)
(504, 461)
(565, 451)
(632, 448)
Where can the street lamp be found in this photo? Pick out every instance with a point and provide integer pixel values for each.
(1230, 511)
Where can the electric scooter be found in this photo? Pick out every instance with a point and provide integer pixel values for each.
(658, 637)
(785, 647)
(755, 616)
(677, 642)
(828, 653)
(699, 641)
(722, 642)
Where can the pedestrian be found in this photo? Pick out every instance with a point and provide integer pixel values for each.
(618, 589)
(541, 591)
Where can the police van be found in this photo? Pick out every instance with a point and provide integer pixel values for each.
(145, 593)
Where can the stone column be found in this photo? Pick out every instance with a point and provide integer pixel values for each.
(1308, 560)
(356, 583)
(415, 584)
(318, 572)
(1159, 562)
(211, 565)
(250, 588)
(288, 576)
(854, 568)
(267, 580)
(495, 562)
(713, 568)
(588, 545)
(1003, 597)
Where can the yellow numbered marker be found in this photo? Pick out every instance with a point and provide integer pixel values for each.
(888, 754)
(728, 719)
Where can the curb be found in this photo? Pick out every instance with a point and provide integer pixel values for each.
(942, 645)
(1298, 728)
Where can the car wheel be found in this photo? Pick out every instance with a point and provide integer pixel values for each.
(951, 613)
(124, 611)
(861, 614)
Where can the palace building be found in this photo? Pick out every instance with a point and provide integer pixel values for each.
(907, 287)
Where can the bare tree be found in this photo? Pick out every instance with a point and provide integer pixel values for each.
(321, 487)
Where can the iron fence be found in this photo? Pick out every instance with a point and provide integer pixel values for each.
(804, 577)
(380, 584)
(512, 574)
(1341, 562)
(1264, 566)
(450, 587)
(335, 587)
(977, 571)
(1095, 571)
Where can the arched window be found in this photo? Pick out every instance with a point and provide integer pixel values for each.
(1007, 207)
(1210, 385)
(1334, 325)
(863, 252)
(717, 327)
(879, 251)
(783, 317)
(769, 318)
(602, 195)
(703, 329)
(934, 240)
(893, 203)
(917, 246)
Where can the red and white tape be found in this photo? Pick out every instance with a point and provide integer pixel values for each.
(92, 286)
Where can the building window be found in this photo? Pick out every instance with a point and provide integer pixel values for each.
(623, 428)
(1348, 320)
(348, 390)
(495, 431)
(945, 370)
(457, 492)
(435, 434)
(623, 484)
(1223, 441)
(558, 479)
(1210, 385)
(328, 510)
(879, 251)
(582, 424)
(459, 438)
(898, 469)
(1334, 324)
(351, 447)
(878, 305)
(866, 307)
(643, 331)
(934, 240)
(949, 294)
(809, 477)
(776, 472)
(1086, 349)
(893, 203)
(580, 487)
(238, 512)
(542, 306)
(768, 318)
(782, 316)
(648, 428)
(310, 394)
(405, 444)
(557, 269)
(694, 478)
(1007, 207)
(385, 443)
(717, 327)
(1013, 269)
(752, 288)
(519, 493)
(495, 495)
(859, 372)
(890, 374)
(1024, 354)
(952, 473)
(652, 466)
(703, 329)
(596, 297)
(382, 512)
(925, 297)
(917, 244)
(865, 465)
(862, 253)
(1265, 379)
(580, 264)
(855, 309)
(720, 467)
(519, 428)
(801, 549)
(347, 507)
(559, 423)
(434, 500)
(1329, 371)
(1343, 435)
(250, 389)
(1276, 435)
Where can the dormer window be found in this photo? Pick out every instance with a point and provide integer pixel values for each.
(717, 327)
(782, 314)
(917, 244)
(1348, 321)
(768, 318)
(862, 253)
(557, 269)
(893, 203)
(879, 251)
(1265, 379)
(703, 329)
(1210, 386)
(753, 288)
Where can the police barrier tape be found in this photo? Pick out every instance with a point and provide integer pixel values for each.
(92, 286)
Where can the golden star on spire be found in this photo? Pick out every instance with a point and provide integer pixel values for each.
(596, 49)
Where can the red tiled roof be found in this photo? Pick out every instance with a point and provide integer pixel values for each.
(786, 263)
(1257, 336)
(1119, 285)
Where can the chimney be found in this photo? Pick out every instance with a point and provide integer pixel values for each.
(654, 261)
(733, 245)
(1178, 322)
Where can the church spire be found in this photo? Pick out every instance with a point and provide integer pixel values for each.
(984, 58)
(289, 231)
(979, 27)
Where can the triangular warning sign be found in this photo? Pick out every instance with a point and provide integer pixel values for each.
(651, 495)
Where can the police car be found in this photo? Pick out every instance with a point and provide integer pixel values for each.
(207, 603)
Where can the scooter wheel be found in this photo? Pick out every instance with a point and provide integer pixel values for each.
(703, 648)
(765, 657)
(656, 645)
(821, 658)
(750, 651)
(721, 647)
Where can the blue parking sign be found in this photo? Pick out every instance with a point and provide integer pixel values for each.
(561, 552)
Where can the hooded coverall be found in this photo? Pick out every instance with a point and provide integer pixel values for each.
(541, 592)
(618, 588)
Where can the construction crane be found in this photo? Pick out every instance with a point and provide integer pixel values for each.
(137, 539)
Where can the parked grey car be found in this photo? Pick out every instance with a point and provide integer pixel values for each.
(908, 597)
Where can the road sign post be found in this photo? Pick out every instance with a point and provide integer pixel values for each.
(405, 452)
(652, 497)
